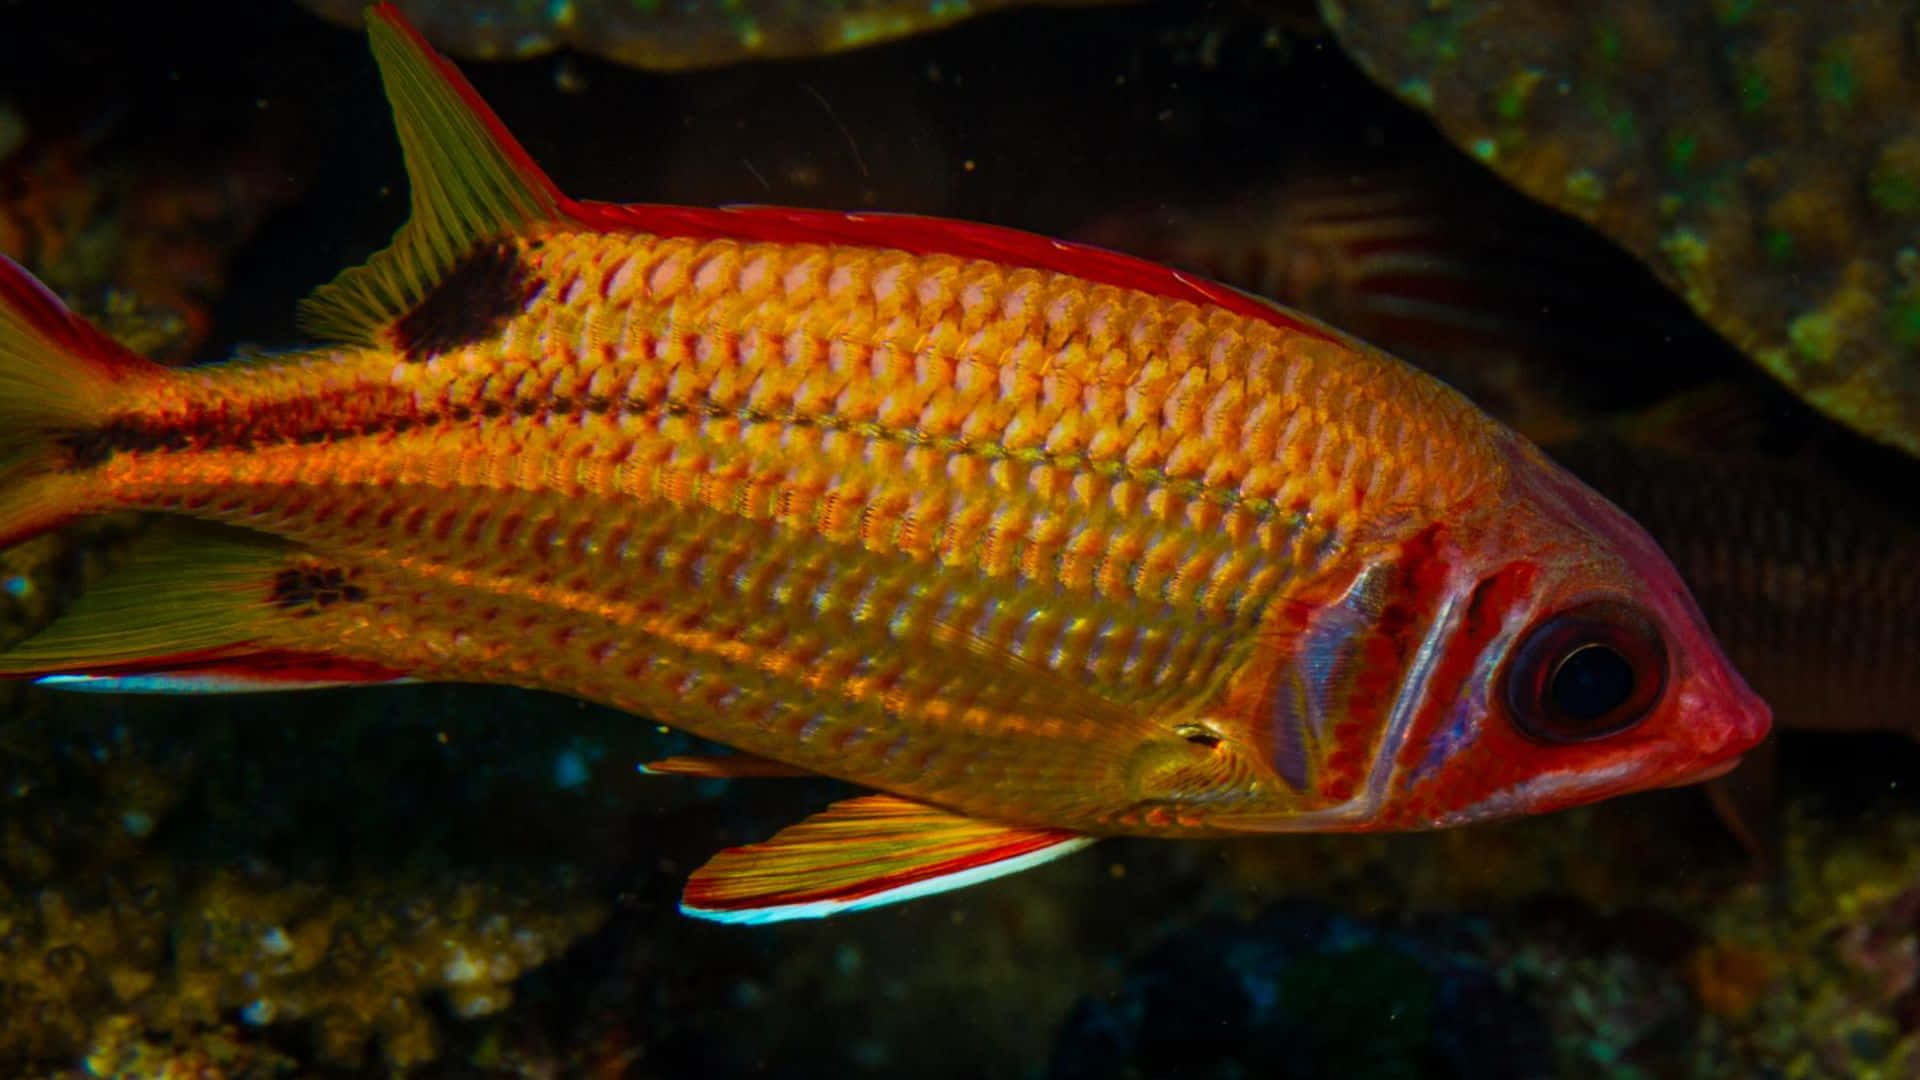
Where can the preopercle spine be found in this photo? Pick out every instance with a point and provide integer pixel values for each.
(860, 479)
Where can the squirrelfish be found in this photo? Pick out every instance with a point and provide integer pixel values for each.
(1041, 542)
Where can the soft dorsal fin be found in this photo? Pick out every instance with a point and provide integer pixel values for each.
(470, 181)
(863, 853)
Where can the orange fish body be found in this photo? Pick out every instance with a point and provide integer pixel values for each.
(1042, 542)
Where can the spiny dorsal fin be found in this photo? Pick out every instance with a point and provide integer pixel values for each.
(863, 853)
(470, 179)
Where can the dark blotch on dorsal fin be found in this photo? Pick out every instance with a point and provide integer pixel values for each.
(471, 303)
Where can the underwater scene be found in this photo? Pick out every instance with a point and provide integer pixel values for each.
(836, 538)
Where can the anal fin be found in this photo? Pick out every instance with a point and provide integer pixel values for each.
(198, 610)
(729, 767)
(864, 853)
(263, 672)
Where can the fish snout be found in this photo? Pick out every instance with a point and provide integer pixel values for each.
(1719, 715)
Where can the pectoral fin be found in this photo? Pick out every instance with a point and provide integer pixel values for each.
(730, 767)
(863, 853)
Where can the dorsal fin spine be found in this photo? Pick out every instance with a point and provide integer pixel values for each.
(470, 182)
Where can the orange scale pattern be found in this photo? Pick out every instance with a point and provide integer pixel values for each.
(961, 531)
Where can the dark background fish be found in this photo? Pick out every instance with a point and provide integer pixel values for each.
(1807, 565)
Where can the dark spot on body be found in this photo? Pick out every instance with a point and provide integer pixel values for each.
(308, 590)
(85, 449)
(470, 303)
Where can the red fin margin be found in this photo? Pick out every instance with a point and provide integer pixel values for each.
(916, 234)
(222, 672)
(57, 374)
(35, 310)
(921, 235)
(864, 853)
(522, 162)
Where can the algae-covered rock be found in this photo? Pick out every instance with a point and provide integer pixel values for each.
(1763, 159)
(673, 36)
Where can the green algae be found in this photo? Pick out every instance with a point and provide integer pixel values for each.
(1815, 337)
(1834, 79)
(1733, 12)
(1778, 245)
(1682, 149)
(1510, 102)
(1903, 321)
(1585, 186)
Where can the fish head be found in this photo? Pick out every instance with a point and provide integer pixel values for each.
(1575, 666)
(1533, 652)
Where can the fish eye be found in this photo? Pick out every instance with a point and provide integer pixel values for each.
(1587, 672)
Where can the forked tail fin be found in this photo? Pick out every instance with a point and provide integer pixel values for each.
(60, 380)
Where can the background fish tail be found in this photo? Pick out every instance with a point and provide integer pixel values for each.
(61, 382)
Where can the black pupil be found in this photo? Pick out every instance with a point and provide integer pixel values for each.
(1591, 682)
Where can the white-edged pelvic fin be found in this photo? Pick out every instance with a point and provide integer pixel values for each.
(820, 909)
(864, 853)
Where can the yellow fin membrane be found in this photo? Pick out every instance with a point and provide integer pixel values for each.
(864, 853)
(728, 767)
(59, 379)
(470, 182)
(192, 612)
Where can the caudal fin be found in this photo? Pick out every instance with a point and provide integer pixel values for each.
(60, 379)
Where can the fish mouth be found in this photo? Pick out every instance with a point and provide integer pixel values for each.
(1706, 772)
